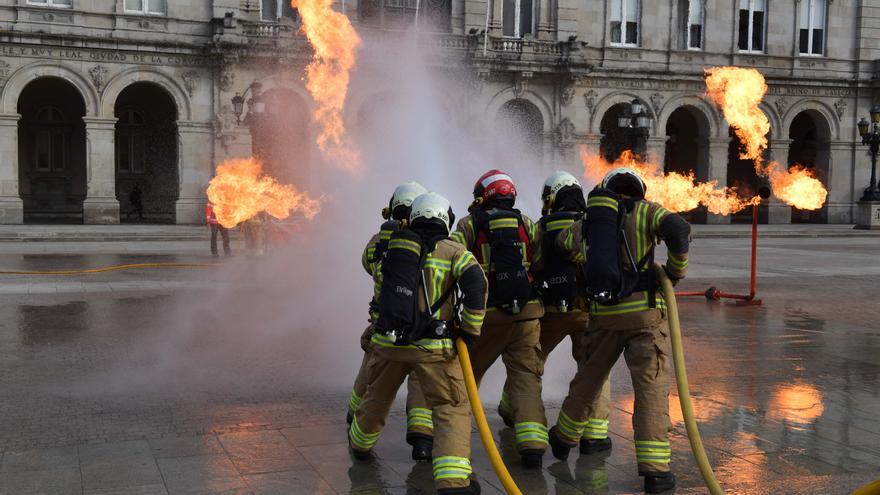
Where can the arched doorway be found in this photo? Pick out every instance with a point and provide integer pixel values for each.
(146, 152)
(741, 174)
(281, 137)
(810, 147)
(615, 140)
(519, 135)
(52, 151)
(687, 149)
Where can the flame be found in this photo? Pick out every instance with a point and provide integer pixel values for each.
(674, 191)
(738, 92)
(335, 42)
(240, 191)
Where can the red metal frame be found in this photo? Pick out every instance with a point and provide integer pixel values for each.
(715, 294)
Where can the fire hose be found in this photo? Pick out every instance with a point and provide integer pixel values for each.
(872, 488)
(131, 266)
(684, 395)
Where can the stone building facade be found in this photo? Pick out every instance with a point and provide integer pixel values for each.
(101, 97)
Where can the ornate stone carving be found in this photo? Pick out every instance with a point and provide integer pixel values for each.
(4, 71)
(225, 124)
(568, 94)
(522, 83)
(781, 105)
(564, 133)
(657, 102)
(190, 81)
(840, 108)
(99, 76)
(590, 99)
(227, 75)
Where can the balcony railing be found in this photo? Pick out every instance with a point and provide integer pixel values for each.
(267, 30)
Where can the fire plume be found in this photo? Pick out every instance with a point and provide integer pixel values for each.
(738, 92)
(240, 191)
(674, 191)
(335, 42)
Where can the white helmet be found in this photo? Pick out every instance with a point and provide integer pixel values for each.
(404, 195)
(431, 206)
(624, 180)
(557, 181)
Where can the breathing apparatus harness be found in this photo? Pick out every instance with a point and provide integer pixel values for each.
(561, 284)
(503, 231)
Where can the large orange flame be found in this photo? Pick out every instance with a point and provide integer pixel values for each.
(335, 42)
(240, 191)
(674, 191)
(738, 91)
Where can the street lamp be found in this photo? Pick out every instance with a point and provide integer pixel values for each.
(636, 124)
(870, 132)
(256, 105)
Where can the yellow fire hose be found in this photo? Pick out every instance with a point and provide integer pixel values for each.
(872, 488)
(684, 395)
(482, 424)
(110, 268)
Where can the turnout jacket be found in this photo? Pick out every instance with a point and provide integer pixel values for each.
(447, 265)
(647, 223)
(370, 262)
(466, 234)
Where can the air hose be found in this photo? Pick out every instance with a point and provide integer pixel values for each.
(110, 268)
(684, 395)
(480, 418)
(872, 488)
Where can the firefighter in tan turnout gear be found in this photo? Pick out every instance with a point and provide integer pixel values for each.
(505, 243)
(419, 427)
(557, 277)
(413, 333)
(627, 315)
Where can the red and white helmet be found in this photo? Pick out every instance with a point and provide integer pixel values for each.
(494, 184)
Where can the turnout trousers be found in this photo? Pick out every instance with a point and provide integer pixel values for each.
(555, 327)
(646, 351)
(418, 414)
(518, 345)
(440, 376)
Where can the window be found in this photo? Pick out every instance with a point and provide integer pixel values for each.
(131, 148)
(625, 22)
(692, 24)
(752, 23)
(812, 27)
(273, 10)
(153, 7)
(51, 140)
(63, 4)
(518, 18)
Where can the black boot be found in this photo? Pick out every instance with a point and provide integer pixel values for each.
(473, 489)
(657, 482)
(560, 449)
(508, 421)
(422, 447)
(532, 458)
(589, 446)
(360, 455)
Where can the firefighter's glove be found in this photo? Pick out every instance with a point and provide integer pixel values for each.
(672, 278)
(469, 339)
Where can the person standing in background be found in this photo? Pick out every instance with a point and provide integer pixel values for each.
(214, 225)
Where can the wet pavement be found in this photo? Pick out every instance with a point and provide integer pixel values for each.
(234, 378)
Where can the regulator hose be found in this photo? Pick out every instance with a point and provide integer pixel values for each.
(86, 271)
(480, 418)
(872, 488)
(684, 395)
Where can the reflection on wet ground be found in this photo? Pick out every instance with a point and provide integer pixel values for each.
(206, 389)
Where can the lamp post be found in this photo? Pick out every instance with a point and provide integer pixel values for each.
(870, 132)
(256, 105)
(636, 124)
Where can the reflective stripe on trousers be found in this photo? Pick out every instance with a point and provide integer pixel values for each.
(452, 468)
(419, 417)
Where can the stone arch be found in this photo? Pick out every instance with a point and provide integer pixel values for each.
(508, 94)
(776, 129)
(277, 81)
(27, 73)
(616, 98)
(708, 113)
(828, 121)
(120, 81)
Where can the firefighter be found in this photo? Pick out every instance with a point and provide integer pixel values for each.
(557, 276)
(627, 316)
(413, 332)
(505, 243)
(214, 225)
(419, 427)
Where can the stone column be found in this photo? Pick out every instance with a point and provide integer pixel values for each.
(457, 17)
(11, 206)
(719, 151)
(839, 180)
(777, 211)
(100, 205)
(655, 149)
(495, 26)
(195, 168)
(543, 23)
